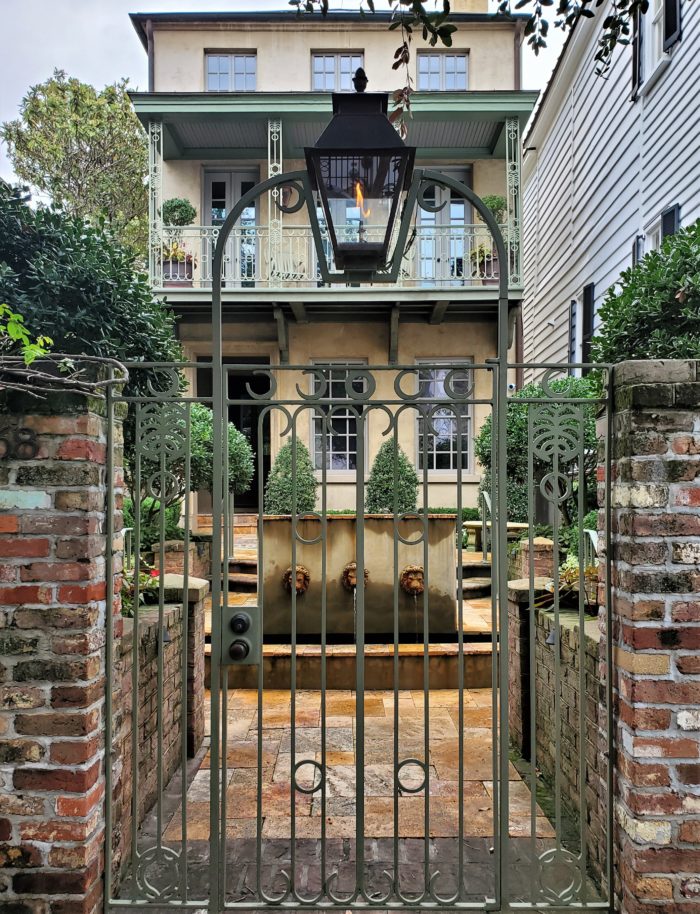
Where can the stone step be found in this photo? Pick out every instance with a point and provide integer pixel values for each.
(476, 587)
(242, 581)
(378, 663)
(244, 564)
(476, 570)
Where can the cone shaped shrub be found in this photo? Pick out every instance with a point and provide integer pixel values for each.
(279, 487)
(386, 494)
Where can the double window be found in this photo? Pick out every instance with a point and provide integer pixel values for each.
(442, 72)
(444, 436)
(231, 72)
(334, 72)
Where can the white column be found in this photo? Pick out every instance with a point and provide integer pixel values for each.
(274, 168)
(155, 203)
(513, 200)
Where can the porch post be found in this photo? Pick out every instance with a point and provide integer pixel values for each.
(155, 203)
(513, 200)
(274, 196)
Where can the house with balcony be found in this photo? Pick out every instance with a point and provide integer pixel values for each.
(234, 98)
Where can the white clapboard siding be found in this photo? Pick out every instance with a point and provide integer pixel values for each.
(598, 170)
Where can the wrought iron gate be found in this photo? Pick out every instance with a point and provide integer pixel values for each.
(364, 748)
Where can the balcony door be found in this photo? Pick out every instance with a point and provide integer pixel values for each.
(222, 190)
(444, 237)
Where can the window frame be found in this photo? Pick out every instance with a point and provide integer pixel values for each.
(245, 54)
(453, 471)
(654, 34)
(442, 56)
(588, 313)
(338, 73)
(346, 472)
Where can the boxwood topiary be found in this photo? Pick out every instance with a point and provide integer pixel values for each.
(393, 483)
(282, 483)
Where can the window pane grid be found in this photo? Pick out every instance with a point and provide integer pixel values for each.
(441, 71)
(341, 441)
(440, 444)
(231, 72)
(334, 72)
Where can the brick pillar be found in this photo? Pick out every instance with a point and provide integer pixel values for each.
(52, 611)
(656, 628)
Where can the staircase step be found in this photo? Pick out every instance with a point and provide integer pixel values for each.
(476, 587)
(239, 580)
(476, 570)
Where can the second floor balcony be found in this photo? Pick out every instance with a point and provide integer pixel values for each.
(260, 257)
(210, 149)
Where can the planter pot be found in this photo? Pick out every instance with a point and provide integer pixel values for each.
(177, 272)
(382, 588)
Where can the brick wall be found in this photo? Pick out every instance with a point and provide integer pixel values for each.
(656, 612)
(546, 729)
(52, 609)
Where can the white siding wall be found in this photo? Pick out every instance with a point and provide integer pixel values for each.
(602, 168)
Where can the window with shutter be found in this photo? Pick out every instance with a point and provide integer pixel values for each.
(672, 23)
(587, 323)
(637, 249)
(636, 55)
(670, 221)
(573, 331)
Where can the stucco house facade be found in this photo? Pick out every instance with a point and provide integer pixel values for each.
(233, 99)
(610, 168)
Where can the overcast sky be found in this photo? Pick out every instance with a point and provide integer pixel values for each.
(94, 40)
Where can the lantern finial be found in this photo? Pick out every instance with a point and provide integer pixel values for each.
(360, 80)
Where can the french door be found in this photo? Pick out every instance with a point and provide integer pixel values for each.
(223, 189)
(444, 239)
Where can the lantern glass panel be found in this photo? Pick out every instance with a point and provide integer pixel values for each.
(360, 195)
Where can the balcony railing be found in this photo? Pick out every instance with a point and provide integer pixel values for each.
(256, 258)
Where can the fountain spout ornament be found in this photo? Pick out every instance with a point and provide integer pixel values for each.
(302, 580)
(348, 578)
(412, 580)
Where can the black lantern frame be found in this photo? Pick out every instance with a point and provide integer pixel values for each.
(360, 165)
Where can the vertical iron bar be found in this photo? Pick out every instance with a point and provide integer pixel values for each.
(261, 673)
(582, 704)
(135, 653)
(426, 666)
(293, 668)
(610, 728)
(396, 681)
(109, 625)
(460, 651)
(161, 651)
(532, 654)
(556, 647)
(360, 658)
(185, 637)
(227, 547)
(324, 638)
(495, 658)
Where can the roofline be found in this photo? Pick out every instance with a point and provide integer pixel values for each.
(549, 88)
(139, 20)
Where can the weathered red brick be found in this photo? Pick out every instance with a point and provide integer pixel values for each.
(82, 593)
(81, 805)
(74, 752)
(689, 831)
(663, 692)
(16, 696)
(5, 829)
(688, 664)
(665, 747)
(60, 571)
(82, 449)
(24, 547)
(50, 882)
(9, 574)
(25, 593)
(59, 723)
(77, 696)
(664, 524)
(687, 496)
(688, 774)
(14, 751)
(79, 501)
(640, 774)
(60, 524)
(60, 829)
(650, 803)
(59, 617)
(686, 444)
(9, 523)
(683, 611)
(69, 780)
(19, 856)
(80, 547)
(667, 860)
(642, 718)
(644, 638)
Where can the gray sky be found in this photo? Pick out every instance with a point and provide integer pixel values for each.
(94, 41)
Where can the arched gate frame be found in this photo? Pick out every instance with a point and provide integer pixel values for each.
(552, 868)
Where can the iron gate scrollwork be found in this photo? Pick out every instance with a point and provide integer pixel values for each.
(343, 767)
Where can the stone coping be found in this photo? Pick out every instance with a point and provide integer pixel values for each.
(412, 515)
(174, 586)
(519, 589)
(148, 619)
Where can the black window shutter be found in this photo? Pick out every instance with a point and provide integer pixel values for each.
(670, 221)
(573, 314)
(637, 249)
(672, 23)
(636, 56)
(587, 323)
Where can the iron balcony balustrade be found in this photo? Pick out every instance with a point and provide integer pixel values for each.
(261, 257)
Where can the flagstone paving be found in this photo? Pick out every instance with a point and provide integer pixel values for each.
(339, 807)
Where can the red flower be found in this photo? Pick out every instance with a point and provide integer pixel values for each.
(155, 574)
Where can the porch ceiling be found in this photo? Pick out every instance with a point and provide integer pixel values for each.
(462, 125)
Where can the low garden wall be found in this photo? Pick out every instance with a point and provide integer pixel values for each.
(552, 729)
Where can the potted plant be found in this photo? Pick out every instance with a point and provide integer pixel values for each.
(178, 263)
(484, 257)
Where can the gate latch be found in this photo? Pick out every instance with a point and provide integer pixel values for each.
(240, 636)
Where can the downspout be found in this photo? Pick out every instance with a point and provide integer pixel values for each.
(517, 55)
(151, 65)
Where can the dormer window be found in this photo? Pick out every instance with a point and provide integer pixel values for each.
(231, 72)
(334, 72)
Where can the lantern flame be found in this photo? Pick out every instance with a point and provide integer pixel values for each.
(360, 201)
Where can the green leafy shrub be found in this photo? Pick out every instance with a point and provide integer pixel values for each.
(280, 486)
(517, 433)
(390, 492)
(178, 211)
(467, 513)
(150, 521)
(240, 453)
(653, 311)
